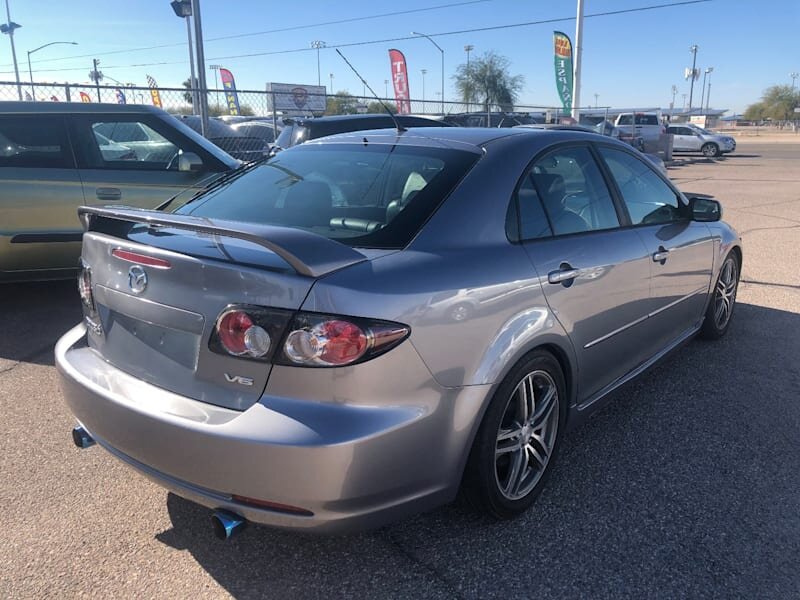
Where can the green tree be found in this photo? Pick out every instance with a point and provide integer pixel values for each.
(487, 81)
(377, 107)
(777, 103)
(342, 103)
(187, 95)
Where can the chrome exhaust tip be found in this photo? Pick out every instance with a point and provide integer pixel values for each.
(81, 437)
(227, 524)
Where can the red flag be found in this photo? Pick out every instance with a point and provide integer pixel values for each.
(54, 98)
(400, 81)
(85, 97)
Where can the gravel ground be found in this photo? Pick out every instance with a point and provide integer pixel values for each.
(687, 485)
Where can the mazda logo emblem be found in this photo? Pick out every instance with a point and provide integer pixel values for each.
(137, 279)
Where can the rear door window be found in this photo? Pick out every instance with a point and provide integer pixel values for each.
(34, 141)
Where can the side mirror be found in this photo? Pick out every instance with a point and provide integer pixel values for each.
(189, 162)
(705, 210)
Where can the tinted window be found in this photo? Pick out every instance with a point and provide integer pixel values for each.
(372, 196)
(648, 198)
(291, 135)
(624, 120)
(642, 119)
(573, 192)
(34, 141)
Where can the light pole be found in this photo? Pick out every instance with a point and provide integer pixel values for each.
(672, 104)
(316, 45)
(596, 96)
(693, 49)
(794, 76)
(201, 68)
(683, 109)
(216, 69)
(30, 71)
(424, 72)
(183, 9)
(707, 72)
(430, 39)
(577, 57)
(386, 88)
(331, 76)
(8, 28)
(703, 94)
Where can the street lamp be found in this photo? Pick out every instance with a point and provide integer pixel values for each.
(672, 104)
(8, 28)
(468, 48)
(316, 45)
(30, 72)
(216, 69)
(794, 76)
(683, 109)
(693, 49)
(596, 96)
(703, 94)
(430, 39)
(708, 72)
(183, 10)
(424, 72)
(331, 76)
(386, 88)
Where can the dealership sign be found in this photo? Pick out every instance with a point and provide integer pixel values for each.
(294, 97)
(563, 64)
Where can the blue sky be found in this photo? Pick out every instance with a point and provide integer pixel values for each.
(629, 59)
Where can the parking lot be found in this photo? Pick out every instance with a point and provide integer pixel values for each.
(685, 486)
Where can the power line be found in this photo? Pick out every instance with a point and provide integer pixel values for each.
(404, 38)
(256, 33)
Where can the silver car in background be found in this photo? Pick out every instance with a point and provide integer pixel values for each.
(359, 327)
(691, 138)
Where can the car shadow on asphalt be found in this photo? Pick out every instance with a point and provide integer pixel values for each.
(32, 318)
(685, 484)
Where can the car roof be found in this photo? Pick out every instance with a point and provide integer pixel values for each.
(76, 107)
(341, 118)
(474, 137)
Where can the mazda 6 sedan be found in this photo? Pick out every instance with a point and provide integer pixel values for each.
(356, 329)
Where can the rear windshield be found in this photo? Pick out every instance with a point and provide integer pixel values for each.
(373, 196)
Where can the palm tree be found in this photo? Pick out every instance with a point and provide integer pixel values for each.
(487, 80)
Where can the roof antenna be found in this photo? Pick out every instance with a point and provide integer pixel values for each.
(400, 128)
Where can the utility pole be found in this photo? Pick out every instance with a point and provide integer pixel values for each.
(596, 96)
(794, 76)
(706, 73)
(331, 76)
(8, 27)
(183, 10)
(693, 49)
(96, 76)
(317, 44)
(684, 103)
(386, 88)
(424, 72)
(468, 48)
(201, 68)
(672, 104)
(576, 88)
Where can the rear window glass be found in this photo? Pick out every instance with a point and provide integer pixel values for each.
(376, 196)
(35, 141)
(647, 120)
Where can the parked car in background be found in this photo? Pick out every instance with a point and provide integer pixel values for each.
(57, 156)
(645, 125)
(691, 138)
(231, 141)
(478, 119)
(262, 130)
(657, 161)
(286, 358)
(611, 130)
(297, 130)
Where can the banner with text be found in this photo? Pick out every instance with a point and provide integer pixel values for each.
(563, 64)
(402, 94)
(154, 92)
(231, 97)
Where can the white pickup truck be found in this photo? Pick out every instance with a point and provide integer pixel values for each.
(646, 125)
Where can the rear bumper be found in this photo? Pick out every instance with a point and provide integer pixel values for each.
(351, 466)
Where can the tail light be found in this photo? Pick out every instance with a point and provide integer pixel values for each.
(307, 339)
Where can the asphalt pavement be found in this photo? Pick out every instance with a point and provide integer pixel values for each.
(687, 485)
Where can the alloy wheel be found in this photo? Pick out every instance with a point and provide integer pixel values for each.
(725, 293)
(527, 435)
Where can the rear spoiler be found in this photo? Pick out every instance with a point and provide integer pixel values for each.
(307, 253)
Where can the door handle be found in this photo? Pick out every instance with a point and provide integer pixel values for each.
(661, 256)
(108, 193)
(563, 275)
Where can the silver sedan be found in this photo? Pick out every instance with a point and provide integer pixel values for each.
(288, 359)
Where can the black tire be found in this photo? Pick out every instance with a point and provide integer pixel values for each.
(710, 150)
(725, 287)
(481, 484)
